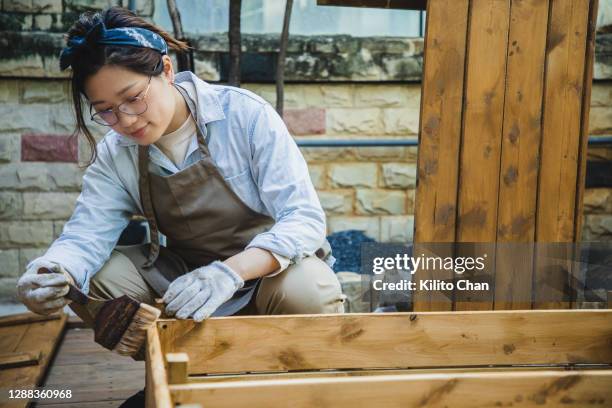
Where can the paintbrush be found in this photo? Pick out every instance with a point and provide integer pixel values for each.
(119, 324)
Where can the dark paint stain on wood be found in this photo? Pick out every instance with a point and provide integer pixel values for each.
(477, 216)
(521, 224)
(555, 387)
(436, 394)
(510, 176)
(514, 134)
(291, 359)
(444, 214)
(509, 349)
(431, 167)
(431, 125)
(554, 40)
(350, 330)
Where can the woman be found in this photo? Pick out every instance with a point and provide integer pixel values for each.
(211, 167)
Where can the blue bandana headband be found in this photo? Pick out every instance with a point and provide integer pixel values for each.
(99, 34)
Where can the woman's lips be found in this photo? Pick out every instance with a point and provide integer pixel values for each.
(140, 132)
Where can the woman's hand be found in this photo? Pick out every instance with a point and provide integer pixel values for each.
(200, 292)
(44, 293)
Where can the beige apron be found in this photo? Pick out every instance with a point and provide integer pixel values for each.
(202, 218)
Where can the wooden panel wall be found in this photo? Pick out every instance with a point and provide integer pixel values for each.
(502, 141)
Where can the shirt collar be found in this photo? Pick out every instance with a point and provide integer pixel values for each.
(208, 105)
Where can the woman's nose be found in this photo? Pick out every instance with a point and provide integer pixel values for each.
(126, 120)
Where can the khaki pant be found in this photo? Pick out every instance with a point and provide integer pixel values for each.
(307, 287)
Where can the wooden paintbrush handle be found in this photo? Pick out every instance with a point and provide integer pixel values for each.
(74, 293)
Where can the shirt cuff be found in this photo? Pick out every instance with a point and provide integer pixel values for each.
(284, 264)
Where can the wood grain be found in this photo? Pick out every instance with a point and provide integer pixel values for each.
(360, 373)
(94, 375)
(481, 142)
(178, 367)
(428, 339)
(156, 390)
(576, 272)
(561, 140)
(518, 178)
(527, 389)
(18, 359)
(34, 337)
(25, 318)
(439, 136)
(586, 105)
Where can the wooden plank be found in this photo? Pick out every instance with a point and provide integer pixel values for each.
(562, 119)
(482, 120)
(40, 336)
(428, 339)
(578, 280)
(156, 391)
(361, 373)
(95, 404)
(586, 105)
(561, 138)
(481, 142)
(10, 337)
(93, 373)
(84, 394)
(528, 389)
(18, 359)
(439, 136)
(25, 318)
(388, 4)
(178, 367)
(518, 177)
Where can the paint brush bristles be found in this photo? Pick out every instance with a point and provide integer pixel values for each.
(134, 337)
(120, 324)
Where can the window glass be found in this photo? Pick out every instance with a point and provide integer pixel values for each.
(266, 16)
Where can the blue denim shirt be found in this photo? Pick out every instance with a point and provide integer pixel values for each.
(254, 152)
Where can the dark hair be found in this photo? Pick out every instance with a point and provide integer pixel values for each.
(90, 59)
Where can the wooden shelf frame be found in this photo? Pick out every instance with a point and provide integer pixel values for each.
(393, 359)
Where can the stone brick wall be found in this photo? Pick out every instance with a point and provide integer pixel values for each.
(366, 188)
(39, 176)
(340, 88)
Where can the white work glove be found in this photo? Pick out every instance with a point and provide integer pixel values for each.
(200, 292)
(44, 293)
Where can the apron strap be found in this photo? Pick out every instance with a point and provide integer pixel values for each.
(147, 204)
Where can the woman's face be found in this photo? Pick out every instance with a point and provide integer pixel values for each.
(113, 85)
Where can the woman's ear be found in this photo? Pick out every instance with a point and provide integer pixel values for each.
(168, 71)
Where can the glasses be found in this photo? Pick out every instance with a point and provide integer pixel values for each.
(133, 106)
